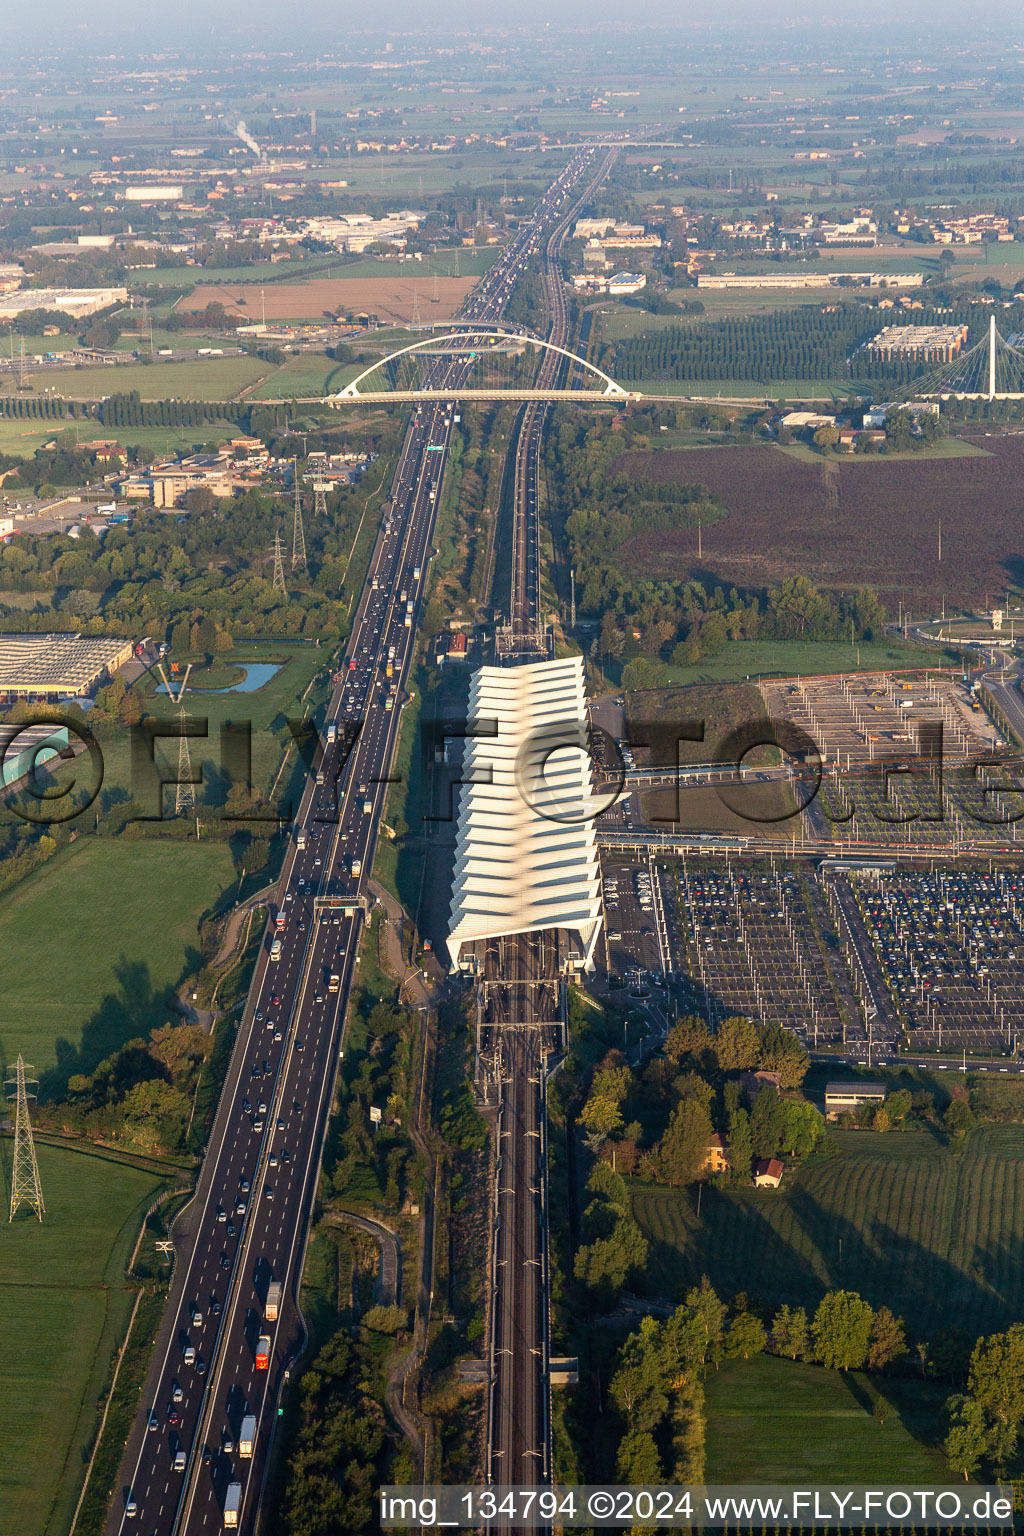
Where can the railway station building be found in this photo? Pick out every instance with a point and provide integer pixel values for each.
(526, 852)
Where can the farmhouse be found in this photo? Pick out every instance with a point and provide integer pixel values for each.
(751, 1083)
(716, 1158)
(768, 1173)
(842, 1098)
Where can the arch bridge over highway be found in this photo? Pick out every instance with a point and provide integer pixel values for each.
(502, 365)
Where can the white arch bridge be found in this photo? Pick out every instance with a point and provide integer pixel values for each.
(495, 363)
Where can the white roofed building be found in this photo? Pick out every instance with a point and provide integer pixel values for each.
(526, 855)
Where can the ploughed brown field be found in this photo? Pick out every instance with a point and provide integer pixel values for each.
(847, 524)
(391, 298)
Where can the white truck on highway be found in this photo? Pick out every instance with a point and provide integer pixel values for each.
(247, 1436)
(232, 1503)
(273, 1307)
(275, 950)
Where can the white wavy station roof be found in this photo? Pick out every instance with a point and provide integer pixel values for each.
(526, 854)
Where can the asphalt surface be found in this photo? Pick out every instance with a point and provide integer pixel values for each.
(249, 1221)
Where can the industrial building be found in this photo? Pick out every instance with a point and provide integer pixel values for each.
(923, 343)
(843, 1098)
(68, 301)
(57, 666)
(809, 278)
(526, 854)
(158, 194)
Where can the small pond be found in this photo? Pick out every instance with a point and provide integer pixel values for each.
(253, 677)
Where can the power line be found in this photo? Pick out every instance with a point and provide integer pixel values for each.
(26, 1188)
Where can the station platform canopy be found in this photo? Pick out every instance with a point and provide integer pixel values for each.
(526, 854)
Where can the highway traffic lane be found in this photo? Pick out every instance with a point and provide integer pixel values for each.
(286, 975)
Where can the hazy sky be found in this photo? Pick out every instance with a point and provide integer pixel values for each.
(277, 23)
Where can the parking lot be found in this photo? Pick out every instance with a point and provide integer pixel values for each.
(860, 718)
(913, 958)
(950, 944)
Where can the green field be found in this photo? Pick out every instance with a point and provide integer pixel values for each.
(742, 659)
(945, 448)
(265, 708)
(304, 374)
(472, 263)
(756, 390)
(777, 1421)
(212, 378)
(899, 1218)
(94, 940)
(63, 1312)
(26, 436)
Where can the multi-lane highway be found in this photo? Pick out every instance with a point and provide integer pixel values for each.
(247, 1225)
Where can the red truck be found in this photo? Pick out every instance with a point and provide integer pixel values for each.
(279, 922)
(263, 1352)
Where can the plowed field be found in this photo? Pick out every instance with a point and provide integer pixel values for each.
(848, 523)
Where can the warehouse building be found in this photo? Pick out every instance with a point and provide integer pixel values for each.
(67, 301)
(526, 854)
(842, 1098)
(926, 343)
(57, 666)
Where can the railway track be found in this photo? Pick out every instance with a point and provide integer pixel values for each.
(521, 984)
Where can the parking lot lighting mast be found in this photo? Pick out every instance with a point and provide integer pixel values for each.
(25, 1186)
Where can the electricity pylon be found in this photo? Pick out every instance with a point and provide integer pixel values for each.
(279, 566)
(25, 1186)
(317, 463)
(185, 790)
(298, 532)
